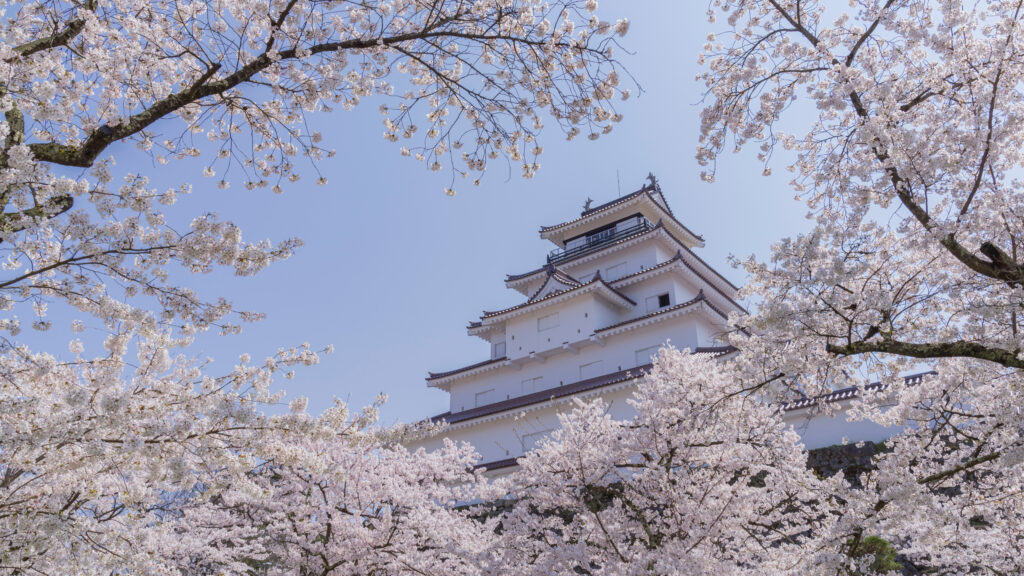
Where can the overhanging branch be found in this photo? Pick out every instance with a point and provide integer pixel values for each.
(956, 349)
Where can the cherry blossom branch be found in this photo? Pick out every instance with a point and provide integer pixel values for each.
(62, 38)
(957, 349)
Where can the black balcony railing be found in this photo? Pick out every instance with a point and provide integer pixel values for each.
(598, 240)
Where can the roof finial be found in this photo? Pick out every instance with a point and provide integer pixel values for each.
(586, 205)
(652, 182)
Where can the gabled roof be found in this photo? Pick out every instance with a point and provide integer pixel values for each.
(611, 204)
(715, 279)
(514, 277)
(595, 285)
(651, 191)
(555, 279)
(650, 231)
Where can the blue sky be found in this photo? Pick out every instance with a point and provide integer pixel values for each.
(393, 269)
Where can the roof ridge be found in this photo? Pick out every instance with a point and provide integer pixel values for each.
(849, 392)
(649, 190)
(698, 298)
(438, 375)
(597, 278)
(563, 390)
(558, 275)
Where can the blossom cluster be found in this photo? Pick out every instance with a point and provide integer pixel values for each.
(898, 123)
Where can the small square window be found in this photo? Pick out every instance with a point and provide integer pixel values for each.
(658, 302)
(615, 272)
(486, 397)
(547, 322)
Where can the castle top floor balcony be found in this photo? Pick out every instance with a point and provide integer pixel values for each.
(597, 239)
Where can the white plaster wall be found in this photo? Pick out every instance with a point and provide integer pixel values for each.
(558, 370)
(618, 353)
(496, 336)
(511, 435)
(819, 430)
(575, 322)
(638, 257)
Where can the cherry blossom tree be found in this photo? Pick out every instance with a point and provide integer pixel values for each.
(703, 480)
(902, 122)
(178, 472)
(235, 81)
(147, 463)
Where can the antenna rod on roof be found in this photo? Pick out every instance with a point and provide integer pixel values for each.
(619, 180)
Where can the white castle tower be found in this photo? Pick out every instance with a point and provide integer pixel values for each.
(622, 281)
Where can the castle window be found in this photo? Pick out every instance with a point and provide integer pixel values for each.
(531, 385)
(498, 350)
(646, 355)
(615, 272)
(547, 322)
(658, 302)
(530, 441)
(486, 397)
(591, 370)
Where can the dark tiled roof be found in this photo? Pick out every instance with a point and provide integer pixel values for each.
(715, 350)
(850, 392)
(659, 225)
(543, 395)
(715, 272)
(436, 375)
(669, 262)
(611, 203)
(514, 277)
(597, 278)
(497, 464)
(555, 274)
(679, 251)
(836, 396)
(699, 298)
(566, 390)
(645, 190)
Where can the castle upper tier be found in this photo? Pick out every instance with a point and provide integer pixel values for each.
(622, 280)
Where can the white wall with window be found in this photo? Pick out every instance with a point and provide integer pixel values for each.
(646, 355)
(613, 273)
(531, 440)
(657, 302)
(591, 369)
(498, 349)
(486, 397)
(531, 385)
(547, 322)
(563, 368)
(546, 329)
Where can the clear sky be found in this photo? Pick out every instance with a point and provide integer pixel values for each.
(392, 269)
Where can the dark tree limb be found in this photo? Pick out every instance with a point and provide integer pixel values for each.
(956, 349)
(86, 153)
(61, 38)
(1003, 268)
